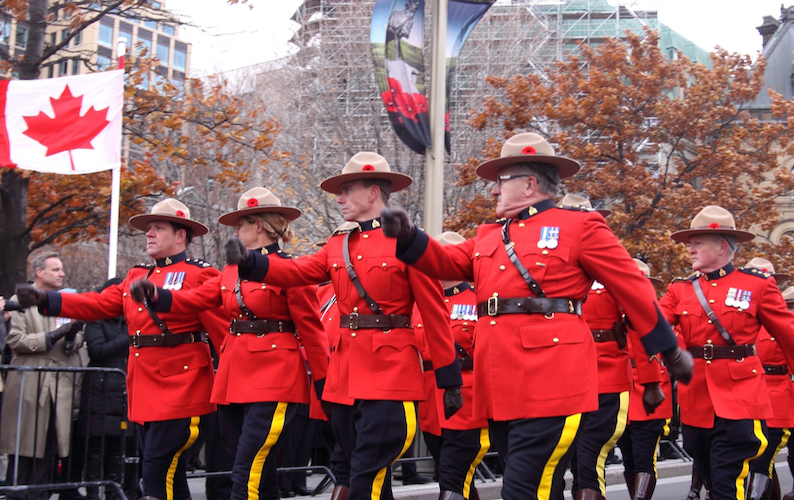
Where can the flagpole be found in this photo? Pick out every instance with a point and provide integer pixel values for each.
(434, 187)
(115, 188)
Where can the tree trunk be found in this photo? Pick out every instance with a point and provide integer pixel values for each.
(14, 242)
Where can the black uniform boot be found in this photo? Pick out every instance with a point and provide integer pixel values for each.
(757, 486)
(644, 484)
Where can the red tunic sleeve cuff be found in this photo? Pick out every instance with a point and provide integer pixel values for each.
(661, 338)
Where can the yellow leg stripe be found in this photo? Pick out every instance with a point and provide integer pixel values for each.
(276, 427)
(193, 429)
(620, 428)
(410, 432)
(485, 444)
(569, 430)
(759, 433)
(783, 443)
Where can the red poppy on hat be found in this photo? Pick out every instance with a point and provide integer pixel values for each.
(368, 168)
(253, 202)
(180, 213)
(714, 225)
(529, 150)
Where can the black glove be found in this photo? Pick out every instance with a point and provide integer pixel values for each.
(29, 295)
(680, 364)
(236, 253)
(66, 330)
(652, 397)
(453, 401)
(142, 289)
(12, 306)
(396, 224)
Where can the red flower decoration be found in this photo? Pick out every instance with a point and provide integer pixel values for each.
(529, 150)
(180, 213)
(714, 225)
(253, 202)
(368, 168)
(765, 270)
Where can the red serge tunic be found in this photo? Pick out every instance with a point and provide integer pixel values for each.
(461, 304)
(646, 370)
(781, 387)
(601, 313)
(163, 383)
(370, 363)
(531, 365)
(728, 388)
(253, 367)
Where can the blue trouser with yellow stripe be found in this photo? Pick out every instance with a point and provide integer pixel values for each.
(536, 453)
(778, 439)
(723, 454)
(162, 444)
(253, 433)
(639, 444)
(372, 435)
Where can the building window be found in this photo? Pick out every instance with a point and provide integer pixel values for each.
(5, 30)
(106, 35)
(63, 68)
(144, 44)
(180, 59)
(180, 86)
(50, 71)
(65, 34)
(102, 62)
(168, 29)
(152, 25)
(22, 37)
(78, 38)
(75, 66)
(53, 39)
(155, 5)
(162, 52)
(127, 36)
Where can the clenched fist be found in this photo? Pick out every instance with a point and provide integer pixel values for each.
(236, 253)
(143, 289)
(396, 224)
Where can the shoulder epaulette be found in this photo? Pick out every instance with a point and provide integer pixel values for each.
(285, 255)
(198, 262)
(755, 272)
(691, 277)
(144, 265)
(578, 208)
(346, 228)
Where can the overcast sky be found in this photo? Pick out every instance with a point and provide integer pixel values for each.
(235, 36)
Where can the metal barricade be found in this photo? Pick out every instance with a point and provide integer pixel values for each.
(61, 432)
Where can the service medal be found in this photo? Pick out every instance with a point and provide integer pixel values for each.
(745, 302)
(730, 298)
(178, 279)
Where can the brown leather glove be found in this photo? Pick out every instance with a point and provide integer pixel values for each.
(652, 397)
(453, 401)
(66, 330)
(680, 364)
(236, 253)
(29, 296)
(143, 289)
(396, 224)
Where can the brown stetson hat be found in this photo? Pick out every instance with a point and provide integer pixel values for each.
(788, 295)
(712, 220)
(366, 165)
(576, 201)
(645, 269)
(527, 148)
(256, 201)
(765, 266)
(450, 238)
(170, 210)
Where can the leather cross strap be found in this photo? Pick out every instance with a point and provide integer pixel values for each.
(713, 317)
(711, 351)
(354, 277)
(238, 293)
(383, 321)
(604, 335)
(776, 369)
(153, 314)
(167, 339)
(522, 270)
(238, 326)
(495, 306)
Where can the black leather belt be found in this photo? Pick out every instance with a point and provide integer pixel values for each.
(427, 365)
(383, 321)
(238, 326)
(167, 339)
(495, 306)
(776, 369)
(465, 364)
(604, 335)
(710, 351)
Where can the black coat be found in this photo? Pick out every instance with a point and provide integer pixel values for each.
(103, 407)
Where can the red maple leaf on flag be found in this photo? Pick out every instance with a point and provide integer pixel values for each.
(67, 130)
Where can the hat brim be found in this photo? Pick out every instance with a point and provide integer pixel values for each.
(781, 276)
(231, 218)
(684, 235)
(142, 221)
(656, 281)
(489, 169)
(604, 212)
(398, 181)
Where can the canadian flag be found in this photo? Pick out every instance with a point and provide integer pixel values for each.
(67, 125)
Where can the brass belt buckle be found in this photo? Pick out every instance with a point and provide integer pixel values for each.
(492, 305)
(136, 340)
(353, 323)
(233, 326)
(708, 352)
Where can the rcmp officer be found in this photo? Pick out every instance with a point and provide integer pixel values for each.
(650, 412)
(601, 428)
(720, 311)
(531, 271)
(778, 378)
(458, 444)
(374, 376)
(169, 373)
(261, 378)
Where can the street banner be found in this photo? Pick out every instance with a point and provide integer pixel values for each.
(397, 41)
(67, 125)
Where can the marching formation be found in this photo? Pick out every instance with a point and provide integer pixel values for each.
(540, 337)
